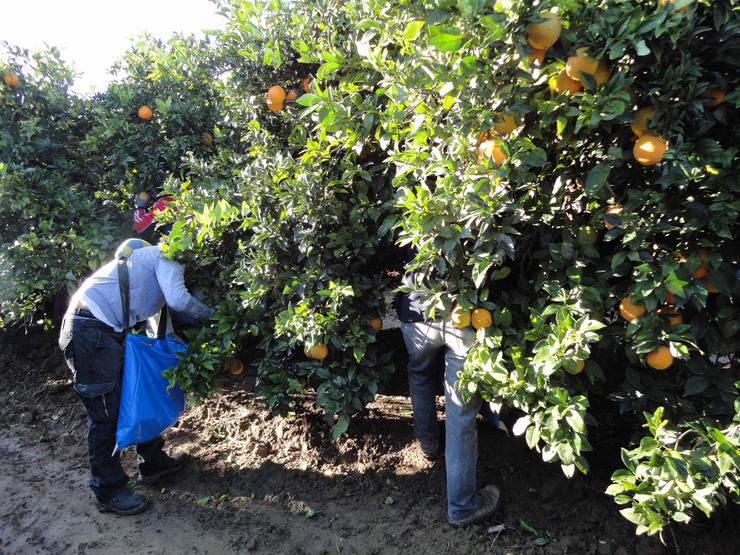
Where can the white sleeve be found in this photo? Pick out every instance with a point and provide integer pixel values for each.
(171, 281)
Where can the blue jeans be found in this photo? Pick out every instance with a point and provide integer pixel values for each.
(426, 342)
(94, 353)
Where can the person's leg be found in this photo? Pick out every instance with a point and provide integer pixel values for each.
(154, 464)
(95, 355)
(461, 433)
(424, 344)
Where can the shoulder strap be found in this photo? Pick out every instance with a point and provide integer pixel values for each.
(162, 326)
(124, 287)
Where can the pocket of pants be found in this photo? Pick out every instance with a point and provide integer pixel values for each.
(101, 400)
(97, 357)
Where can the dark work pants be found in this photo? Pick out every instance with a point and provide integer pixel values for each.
(94, 353)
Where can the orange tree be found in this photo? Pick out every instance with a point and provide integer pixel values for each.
(285, 223)
(509, 128)
(54, 225)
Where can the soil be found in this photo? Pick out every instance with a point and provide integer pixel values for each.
(264, 484)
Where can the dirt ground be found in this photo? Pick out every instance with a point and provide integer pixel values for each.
(262, 484)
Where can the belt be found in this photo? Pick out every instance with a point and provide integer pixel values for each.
(82, 310)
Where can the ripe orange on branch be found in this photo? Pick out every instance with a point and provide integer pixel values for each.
(490, 149)
(537, 55)
(460, 317)
(481, 318)
(580, 63)
(317, 352)
(206, 139)
(505, 123)
(613, 209)
(234, 366)
(649, 149)
(630, 310)
(144, 112)
(376, 324)
(717, 97)
(659, 359)
(566, 85)
(543, 35)
(11, 79)
(276, 94)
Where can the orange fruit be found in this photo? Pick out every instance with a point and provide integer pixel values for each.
(649, 149)
(613, 209)
(630, 310)
(717, 96)
(710, 286)
(317, 352)
(566, 85)
(505, 123)
(234, 366)
(669, 312)
(274, 106)
(11, 79)
(460, 317)
(145, 112)
(481, 318)
(701, 271)
(580, 63)
(306, 83)
(292, 95)
(206, 139)
(642, 120)
(276, 94)
(660, 359)
(144, 196)
(537, 55)
(580, 365)
(543, 35)
(602, 73)
(376, 324)
(490, 149)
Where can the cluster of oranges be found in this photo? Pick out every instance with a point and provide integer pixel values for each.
(277, 96)
(661, 358)
(479, 318)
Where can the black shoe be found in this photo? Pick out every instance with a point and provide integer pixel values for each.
(487, 500)
(124, 502)
(165, 467)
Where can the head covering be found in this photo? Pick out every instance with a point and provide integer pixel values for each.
(125, 249)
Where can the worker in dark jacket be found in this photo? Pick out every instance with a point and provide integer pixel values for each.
(92, 341)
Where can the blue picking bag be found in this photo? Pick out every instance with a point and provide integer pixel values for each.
(147, 408)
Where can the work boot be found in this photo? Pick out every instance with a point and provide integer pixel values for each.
(123, 502)
(487, 502)
(163, 467)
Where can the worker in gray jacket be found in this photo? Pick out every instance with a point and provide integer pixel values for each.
(92, 341)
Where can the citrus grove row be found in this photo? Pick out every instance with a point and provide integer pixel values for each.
(560, 175)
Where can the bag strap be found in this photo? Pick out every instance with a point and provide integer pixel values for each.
(123, 284)
(162, 326)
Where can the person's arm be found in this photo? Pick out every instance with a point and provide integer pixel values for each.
(172, 282)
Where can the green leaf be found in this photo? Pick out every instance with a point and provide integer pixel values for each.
(413, 28)
(446, 42)
(597, 177)
(340, 427)
(308, 99)
(203, 500)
